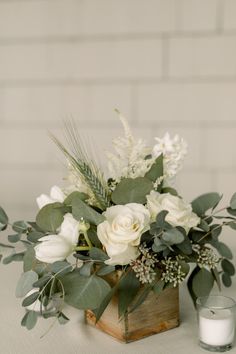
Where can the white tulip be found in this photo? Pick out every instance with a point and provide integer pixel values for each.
(121, 232)
(179, 212)
(58, 247)
(56, 195)
(53, 248)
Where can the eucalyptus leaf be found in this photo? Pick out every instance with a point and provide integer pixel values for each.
(62, 318)
(132, 190)
(223, 250)
(228, 267)
(205, 202)
(14, 238)
(40, 283)
(29, 259)
(233, 202)
(203, 283)
(75, 195)
(82, 210)
(156, 170)
(173, 236)
(14, 257)
(34, 236)
(50, 217)
(104, 303)
(20, 226)
(29, 320)
(140, 298)
(107, 269)
(170, 190)
(3, 217)
(232, 224)
(129, 286)
(86, 269)
(61, 267)
(84, 292)
(216, 276)
(25, 283)
(97, 254)
(226, 279)
(29, 300)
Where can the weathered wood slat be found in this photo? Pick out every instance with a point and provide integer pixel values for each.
(156, 314)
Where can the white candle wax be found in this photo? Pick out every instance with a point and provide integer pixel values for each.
(216, 327)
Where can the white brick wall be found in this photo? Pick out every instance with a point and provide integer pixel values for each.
(166, 64)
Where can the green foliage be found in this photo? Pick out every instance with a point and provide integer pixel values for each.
(84, 292)
(205, 202)
(29, 259)
(233, 202)
(226, 279)
(76, 195)
(132, 190)
(105, 302)
(82, 210)
(223, 250)
(156, 170)
(25, 283)
(3, 219)
(106, 269)
(34, 236)
(14, 238)
(20, 226)
(29, 320)
(61, 267)
(14, 257)
(128, 288)
(50, 217)
(228, 267)
(62, 318)
(29, 300)
(202, 283)
(98, 254)
(173, 237)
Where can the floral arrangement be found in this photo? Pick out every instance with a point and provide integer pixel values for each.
(134, 223)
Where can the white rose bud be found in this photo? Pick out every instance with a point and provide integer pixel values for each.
(121, 232)
(179, 212)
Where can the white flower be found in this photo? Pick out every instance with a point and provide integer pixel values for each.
(58, 247)
(120, 233)
(56, 195)
(174, 151)
(129, 160)
(179, 212)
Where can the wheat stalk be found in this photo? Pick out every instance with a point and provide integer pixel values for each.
(80, 162)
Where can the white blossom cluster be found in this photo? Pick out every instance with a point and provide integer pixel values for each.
(133, 158)
(144, 267)
(172, 272)
(130, 158)
(174, 151)
(207, 258)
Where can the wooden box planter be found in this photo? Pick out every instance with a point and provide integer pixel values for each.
(156, 314)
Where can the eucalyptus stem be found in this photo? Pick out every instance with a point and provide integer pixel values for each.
(209, 232)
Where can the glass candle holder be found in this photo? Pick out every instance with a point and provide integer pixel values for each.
(216, 320)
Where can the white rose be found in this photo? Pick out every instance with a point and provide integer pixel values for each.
(179, 212)
(120, 233)
(56, 195)
(58, 247)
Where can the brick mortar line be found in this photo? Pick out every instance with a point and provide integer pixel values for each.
(122, 37)
(202, 79)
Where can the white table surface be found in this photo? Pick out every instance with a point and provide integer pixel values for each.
(78, 338)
